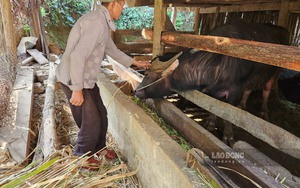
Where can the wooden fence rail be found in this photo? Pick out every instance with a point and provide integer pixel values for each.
(272, 54)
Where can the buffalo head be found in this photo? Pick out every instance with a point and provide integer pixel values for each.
(155, 83)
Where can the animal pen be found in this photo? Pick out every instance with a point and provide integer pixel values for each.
(208, 15)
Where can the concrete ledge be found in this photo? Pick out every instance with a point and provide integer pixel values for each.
(159, 159)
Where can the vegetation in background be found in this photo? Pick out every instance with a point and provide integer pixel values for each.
(184, 21)
(60, 16)
(143, 17)
(64, 12)
(136, 18)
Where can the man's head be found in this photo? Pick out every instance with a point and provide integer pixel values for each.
(114, 7)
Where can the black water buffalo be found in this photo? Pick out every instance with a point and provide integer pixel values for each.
(223, 77)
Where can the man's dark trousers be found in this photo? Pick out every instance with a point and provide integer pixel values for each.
(91, 118)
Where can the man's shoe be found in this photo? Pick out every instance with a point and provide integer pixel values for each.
(109, 154)
(92, 164)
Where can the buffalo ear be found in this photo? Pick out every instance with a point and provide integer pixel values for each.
(170, 69)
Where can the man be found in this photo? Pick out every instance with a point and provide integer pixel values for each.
(77, 73)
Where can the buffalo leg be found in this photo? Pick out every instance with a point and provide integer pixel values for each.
(244, 99)
(266, 93)
(228, 133)
(210, 123)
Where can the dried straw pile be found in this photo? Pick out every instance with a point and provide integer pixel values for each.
(63, 169)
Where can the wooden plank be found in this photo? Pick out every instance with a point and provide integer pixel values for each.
(144, 48)
(270, 166)
(209, 144)
(159, 26)
(38, 56)
(8, 27)
(190, 3)
(268, 132)
(272, 54)
(294, 6)
(135, 47)
(19, 133)
(196, 159)
(241, 8)
(127, 74)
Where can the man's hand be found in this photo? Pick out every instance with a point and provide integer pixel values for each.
(77, 98)
(142, 64)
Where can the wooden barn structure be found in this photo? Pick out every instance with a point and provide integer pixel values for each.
(212, 13)
(208, 15)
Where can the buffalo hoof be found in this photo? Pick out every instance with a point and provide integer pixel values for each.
(228, 140)
(264, 115)
(210, 125)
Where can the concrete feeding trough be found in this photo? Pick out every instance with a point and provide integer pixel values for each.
(159, 159)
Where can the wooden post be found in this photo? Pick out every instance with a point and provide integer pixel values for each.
(284, 13)
(8, 28)
(159, 26)
(43, 32)
(197, 21)
(38, 25)
(35, 19)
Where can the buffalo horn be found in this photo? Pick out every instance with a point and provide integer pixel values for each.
(160, 66)
(170, 69)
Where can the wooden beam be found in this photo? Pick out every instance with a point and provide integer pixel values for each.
(272, 54)
(47, 134)
(48, 123)
(284, 14)
(197, 21)
(209, 144)
(35, 19)
(159, 26)
(196, 159)
(8, 27)
(294, 6)
(135, 47)
(127, 74)
(264, 162)
(191, 3)
(145, 48)
(268, 132)
(241, 8)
